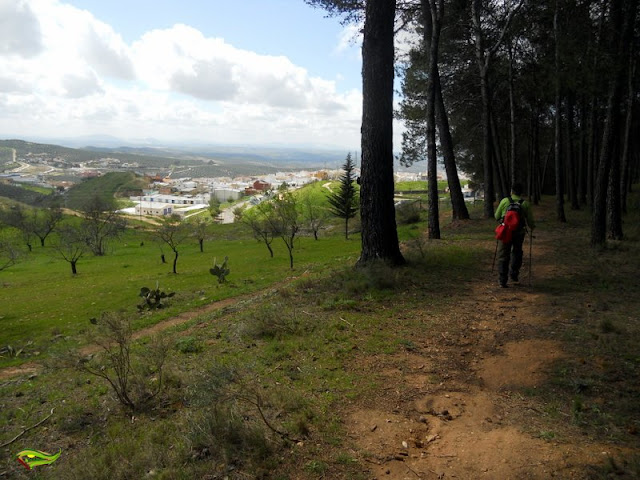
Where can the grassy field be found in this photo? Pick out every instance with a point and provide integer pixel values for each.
(263, 388)
(48, 302)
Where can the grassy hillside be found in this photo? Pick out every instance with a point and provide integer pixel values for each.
(37, 197)
(106, 186)
(78, 155)
(331, 372)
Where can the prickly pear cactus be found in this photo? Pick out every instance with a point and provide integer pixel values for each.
(220, 271)
(152, 299)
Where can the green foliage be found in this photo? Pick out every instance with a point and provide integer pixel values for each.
(408, 213)
(189, 345)
(27, 196)
(214, 207)
(105, 187)
(220, 271)
(344, 202)
(153, 299)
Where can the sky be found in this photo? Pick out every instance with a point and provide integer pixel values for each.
(257, 72)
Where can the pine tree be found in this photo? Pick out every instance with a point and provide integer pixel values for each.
(344, 202)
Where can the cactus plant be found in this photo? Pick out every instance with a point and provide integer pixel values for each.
(220, 271)
(153, 298)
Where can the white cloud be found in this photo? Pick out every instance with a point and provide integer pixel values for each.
(77, 86)
(19, 29)
(73, 74)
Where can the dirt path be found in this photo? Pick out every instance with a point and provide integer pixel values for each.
(473, 423)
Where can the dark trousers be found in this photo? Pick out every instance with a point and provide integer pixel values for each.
(510, 252)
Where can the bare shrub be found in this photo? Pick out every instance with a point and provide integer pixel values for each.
(135, 379)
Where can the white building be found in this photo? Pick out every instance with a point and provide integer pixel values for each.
(224, 194)
(156, 209)
(173, 199)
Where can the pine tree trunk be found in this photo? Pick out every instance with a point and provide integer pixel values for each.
(430, 8)
(379, 233)
(557, 142)
(582, 155)
(571, 164)
(614, 207)
(516, 175)
(622, 25)
(503, 182)
(483, 70)
(625, 172)
(459, 209)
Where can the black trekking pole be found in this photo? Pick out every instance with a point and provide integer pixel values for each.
(530, 256)
(494, 257)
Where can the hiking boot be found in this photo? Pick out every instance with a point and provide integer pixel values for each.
(504, 285)
(514, 278)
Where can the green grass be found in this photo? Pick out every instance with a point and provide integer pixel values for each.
(48, 302)
(105, 186)
(420, 185)
(310, 348)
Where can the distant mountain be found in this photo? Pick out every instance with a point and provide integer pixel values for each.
(240, 159)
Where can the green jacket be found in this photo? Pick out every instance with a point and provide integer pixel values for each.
(526, 207)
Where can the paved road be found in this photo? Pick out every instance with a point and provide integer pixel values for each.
(227, 213)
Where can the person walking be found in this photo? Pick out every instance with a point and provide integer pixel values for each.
(510, 253)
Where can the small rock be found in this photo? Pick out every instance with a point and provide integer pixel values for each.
(405, 444)
(432, 438)
(374, 428)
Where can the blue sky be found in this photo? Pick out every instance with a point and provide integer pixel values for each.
(269, 27)
(259, 72)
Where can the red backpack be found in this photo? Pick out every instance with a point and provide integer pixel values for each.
(512, 221)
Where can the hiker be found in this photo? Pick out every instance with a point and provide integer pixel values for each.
(513, 207)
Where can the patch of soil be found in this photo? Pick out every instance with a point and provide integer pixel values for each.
(471, 422)
(24, 369)
(522, 364)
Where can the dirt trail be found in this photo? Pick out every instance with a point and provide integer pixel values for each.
(474, 423)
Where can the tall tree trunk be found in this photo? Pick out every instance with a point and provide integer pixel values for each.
(592, 150)
(621, 24)
(571, 164)
(593, 122)
(614, 207)
(379, 232)
(516, 175)
(503, 183)
(459, 209)
(582, 154)
(458, 205)
(429, 7)
(483, 69)
(558, 117)
(483, 59)
(74, 269)
(625, 173)
(535, 190)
